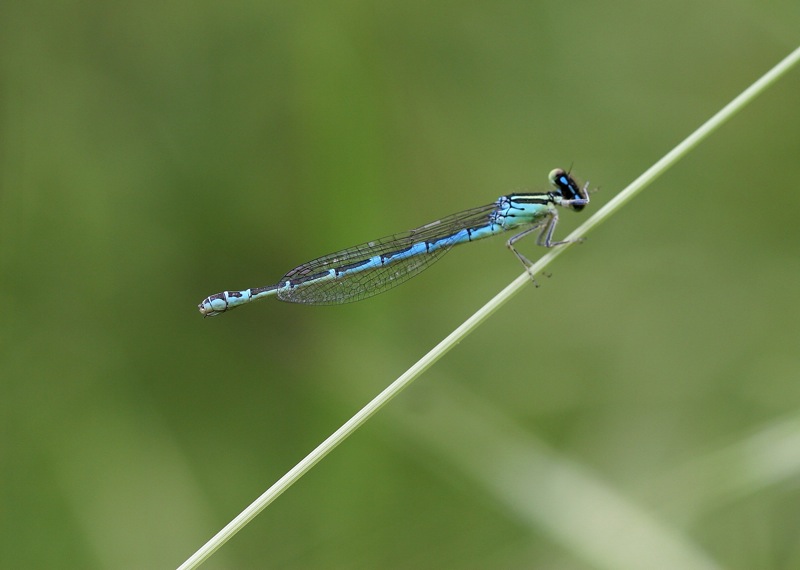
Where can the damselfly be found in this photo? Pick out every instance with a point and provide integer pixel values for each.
(376, 266)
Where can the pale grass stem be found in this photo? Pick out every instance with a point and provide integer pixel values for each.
(484, 312)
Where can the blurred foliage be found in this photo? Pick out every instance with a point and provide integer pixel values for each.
(152, 154)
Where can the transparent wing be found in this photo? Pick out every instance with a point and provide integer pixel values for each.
(355, 284)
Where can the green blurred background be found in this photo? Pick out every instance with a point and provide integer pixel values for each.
(154, 153)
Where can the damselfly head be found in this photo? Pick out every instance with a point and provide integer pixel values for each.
(574, 194)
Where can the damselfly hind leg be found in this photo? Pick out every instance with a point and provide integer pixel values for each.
(527, 263)
(514, 239)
